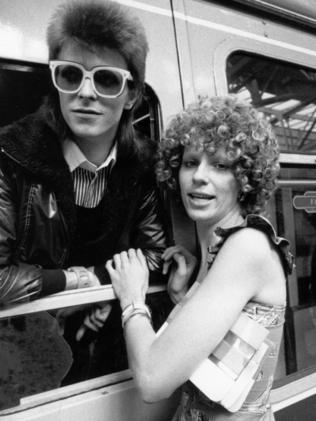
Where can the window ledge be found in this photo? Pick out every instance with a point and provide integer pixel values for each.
(68, 299)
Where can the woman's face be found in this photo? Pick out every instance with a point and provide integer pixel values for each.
(208, 187)
(91, 117)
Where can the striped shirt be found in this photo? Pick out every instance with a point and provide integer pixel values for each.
(88, 179)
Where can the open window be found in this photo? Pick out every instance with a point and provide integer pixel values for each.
(22, 87)
(35, 357)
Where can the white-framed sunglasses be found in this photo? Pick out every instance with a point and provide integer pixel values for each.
(108, 82)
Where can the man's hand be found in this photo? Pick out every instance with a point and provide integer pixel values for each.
(182, 264)
(95, 319)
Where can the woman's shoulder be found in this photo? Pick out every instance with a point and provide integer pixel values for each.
(256, 236)
(251, 245)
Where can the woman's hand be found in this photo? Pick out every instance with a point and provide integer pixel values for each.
(129, 274)
(182, 264)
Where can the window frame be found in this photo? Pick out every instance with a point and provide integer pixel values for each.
(272, 49)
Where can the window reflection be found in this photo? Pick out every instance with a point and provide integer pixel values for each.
(34, 357)
(286, 93)
(41, 351)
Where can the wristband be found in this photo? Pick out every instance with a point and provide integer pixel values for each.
(71, 280)
(82, 274)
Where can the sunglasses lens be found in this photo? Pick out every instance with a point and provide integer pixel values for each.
(68, 77)
(108, 82)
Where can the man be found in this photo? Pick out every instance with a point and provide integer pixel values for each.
(76, 182)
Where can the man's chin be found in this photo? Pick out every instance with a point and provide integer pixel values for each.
(85, 133)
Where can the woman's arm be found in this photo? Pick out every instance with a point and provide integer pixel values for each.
(239, 273)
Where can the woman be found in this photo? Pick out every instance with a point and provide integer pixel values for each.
(223, 157)
(76, 181)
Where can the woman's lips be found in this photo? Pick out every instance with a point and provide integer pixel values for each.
(202, 196)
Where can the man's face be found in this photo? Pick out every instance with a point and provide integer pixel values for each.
(91, 117)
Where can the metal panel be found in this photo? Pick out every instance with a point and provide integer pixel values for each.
(119, 402)
(300, 11)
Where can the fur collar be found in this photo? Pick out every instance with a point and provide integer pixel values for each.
(32, 143)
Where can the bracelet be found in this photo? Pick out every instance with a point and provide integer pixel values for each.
(134, 304)
(135, 313)
(71, 280)
(133, 309)
(82, 274)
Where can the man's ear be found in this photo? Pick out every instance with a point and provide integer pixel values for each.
(133, 95)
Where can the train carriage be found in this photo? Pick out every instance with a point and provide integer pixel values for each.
(262, 50)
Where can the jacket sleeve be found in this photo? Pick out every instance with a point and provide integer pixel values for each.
(18, 281)
(146, 227)
(152, 235)
(150, 230)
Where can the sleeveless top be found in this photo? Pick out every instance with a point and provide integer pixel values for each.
(194, 405)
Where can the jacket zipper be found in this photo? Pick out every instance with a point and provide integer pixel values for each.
(10, 156)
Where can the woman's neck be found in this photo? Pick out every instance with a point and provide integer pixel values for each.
(206, 232)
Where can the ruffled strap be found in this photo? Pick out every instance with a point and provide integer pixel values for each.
(259, 222)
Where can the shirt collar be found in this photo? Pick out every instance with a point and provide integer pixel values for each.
(75, 158)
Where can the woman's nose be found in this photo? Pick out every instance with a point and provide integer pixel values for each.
(87, 90)
(201, 173)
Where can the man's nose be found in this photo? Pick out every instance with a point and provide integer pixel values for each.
(87, 90)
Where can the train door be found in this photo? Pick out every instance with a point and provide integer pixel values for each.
(271, 63)
(285, 92)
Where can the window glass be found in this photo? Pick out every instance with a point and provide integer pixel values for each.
(47, 350)
(286, 93)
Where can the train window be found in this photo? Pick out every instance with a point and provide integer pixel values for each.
(22, 87)
(40, 348)
(285, 92)
(43, 347)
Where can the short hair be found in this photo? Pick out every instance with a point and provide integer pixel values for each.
(98, 24)
(244, 133)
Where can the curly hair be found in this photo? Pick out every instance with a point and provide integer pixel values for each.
(244, 134)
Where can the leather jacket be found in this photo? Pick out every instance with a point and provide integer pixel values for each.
(38, 213)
